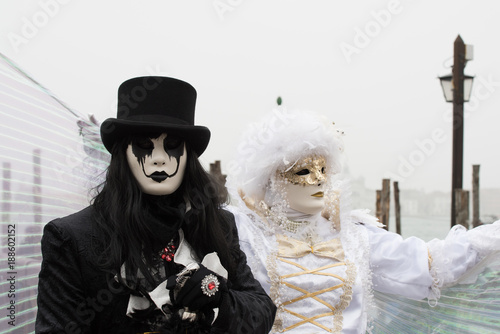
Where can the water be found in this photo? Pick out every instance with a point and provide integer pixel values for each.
(425, 228)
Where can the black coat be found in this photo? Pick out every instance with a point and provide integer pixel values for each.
(74, 296)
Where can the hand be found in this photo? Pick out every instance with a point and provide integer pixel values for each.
(203, 289)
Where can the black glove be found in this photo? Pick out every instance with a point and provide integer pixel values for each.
(203, 289)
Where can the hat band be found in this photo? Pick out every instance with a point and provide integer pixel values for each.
(156, 119)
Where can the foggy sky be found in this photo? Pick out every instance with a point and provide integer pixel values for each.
(370, 66)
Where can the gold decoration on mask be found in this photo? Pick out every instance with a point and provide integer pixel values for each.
(306, 171)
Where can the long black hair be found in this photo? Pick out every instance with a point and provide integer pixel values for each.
(123, 230)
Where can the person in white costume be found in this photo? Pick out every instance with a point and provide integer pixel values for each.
(319, 260)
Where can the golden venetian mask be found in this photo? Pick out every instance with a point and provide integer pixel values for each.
(306, 171)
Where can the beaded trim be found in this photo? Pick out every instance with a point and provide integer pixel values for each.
(293, 226)
(168, 252)
(345, 299)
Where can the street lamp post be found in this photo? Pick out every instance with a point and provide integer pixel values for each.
(461, 53)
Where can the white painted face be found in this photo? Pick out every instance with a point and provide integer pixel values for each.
(305, 185)
(158, 164)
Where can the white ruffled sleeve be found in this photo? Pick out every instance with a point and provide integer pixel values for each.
(417, 270)
(399, 266)
(461, 256)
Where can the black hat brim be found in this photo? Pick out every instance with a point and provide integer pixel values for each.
(111, 129)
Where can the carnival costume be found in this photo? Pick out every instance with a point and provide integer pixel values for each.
(331, 269)
(175, 285)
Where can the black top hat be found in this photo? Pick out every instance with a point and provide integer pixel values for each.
(150, 104)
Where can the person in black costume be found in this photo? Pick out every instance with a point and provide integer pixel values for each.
(154, 252)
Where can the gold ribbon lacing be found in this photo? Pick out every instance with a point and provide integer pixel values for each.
(292, 248)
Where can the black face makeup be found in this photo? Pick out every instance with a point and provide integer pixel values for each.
(143, 146)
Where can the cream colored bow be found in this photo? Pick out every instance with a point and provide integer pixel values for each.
(288, 247)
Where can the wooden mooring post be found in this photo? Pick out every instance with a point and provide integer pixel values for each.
(385, 202)
(378, 209)
(476, 221)
(397, 207)
(216, 171)
(462, 207)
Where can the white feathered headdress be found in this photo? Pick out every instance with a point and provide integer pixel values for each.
(277, 142)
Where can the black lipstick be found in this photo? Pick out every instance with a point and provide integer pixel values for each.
(159, 176)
